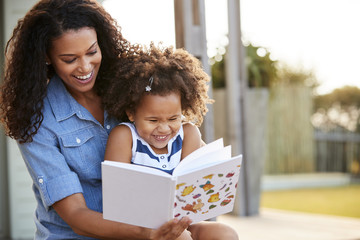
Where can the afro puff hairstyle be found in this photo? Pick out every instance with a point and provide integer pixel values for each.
(172, 70)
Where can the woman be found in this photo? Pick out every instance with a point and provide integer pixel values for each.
(58, 63)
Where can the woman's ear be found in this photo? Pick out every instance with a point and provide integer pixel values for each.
(130, 115)
(47, 60)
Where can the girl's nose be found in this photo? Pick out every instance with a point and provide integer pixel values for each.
(163, 127)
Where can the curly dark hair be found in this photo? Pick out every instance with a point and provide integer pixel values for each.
(172, 70)
(26, 74)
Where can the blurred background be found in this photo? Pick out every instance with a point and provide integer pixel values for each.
(286, 89)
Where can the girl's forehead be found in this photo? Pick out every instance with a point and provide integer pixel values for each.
(156, 103)
(151, 98)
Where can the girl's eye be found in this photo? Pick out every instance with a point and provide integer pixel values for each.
(153, 120)
(93, 52)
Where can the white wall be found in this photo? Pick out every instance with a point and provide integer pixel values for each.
(21, 197)
(3, 167)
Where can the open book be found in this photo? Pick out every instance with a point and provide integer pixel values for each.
(201, 187)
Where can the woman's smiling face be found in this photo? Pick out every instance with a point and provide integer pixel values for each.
(76, 58)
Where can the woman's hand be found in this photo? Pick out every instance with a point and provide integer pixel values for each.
(171, 230)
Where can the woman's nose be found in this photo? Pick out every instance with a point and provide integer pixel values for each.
(85, 66)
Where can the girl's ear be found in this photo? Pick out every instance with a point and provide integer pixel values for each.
(130, 115)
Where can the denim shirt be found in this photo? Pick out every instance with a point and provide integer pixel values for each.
(65, 158)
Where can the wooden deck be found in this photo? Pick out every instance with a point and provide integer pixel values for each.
(274, 224)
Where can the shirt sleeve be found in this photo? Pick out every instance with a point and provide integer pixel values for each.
(51, 175)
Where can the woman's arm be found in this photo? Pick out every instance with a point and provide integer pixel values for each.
(192, 139)
(83, 221)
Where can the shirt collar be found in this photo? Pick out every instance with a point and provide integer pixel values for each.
(61, 102)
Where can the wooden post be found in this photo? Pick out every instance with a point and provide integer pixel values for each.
(191, 35)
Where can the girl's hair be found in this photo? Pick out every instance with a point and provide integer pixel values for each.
(172, 70)
(26, 74)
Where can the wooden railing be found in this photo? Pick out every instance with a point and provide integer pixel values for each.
(337, 151)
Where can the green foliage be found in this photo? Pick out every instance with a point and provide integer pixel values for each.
(218, 74)
(346, 96)
(295, 76)
(338, 109)
(262, 71)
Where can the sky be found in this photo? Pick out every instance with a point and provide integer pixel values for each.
(320, 35)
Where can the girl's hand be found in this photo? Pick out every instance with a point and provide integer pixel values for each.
(171, 230)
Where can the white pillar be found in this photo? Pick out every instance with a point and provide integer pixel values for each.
(191, 35)
(236, 86)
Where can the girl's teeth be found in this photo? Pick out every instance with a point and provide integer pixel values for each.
(84, 77)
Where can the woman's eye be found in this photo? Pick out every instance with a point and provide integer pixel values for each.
(93, 52)
(69, 61)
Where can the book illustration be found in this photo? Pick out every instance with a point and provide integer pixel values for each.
(196, 196)
(207, 186)
(194, 207)
(211, 191)
(209, 176)
(214, 198)
(179, 185)
(188, 190)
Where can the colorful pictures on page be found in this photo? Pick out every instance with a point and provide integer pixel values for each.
(212, 191)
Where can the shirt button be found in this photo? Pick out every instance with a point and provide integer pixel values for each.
(107, 127)
(164, 166)
(161, 157)
(78, 140)
(41, 180)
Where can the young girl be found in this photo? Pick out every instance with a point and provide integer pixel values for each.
(160, 99)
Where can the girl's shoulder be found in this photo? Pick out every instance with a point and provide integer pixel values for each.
(192, 139)
(191, 133)
(190, 128)
(122, 130)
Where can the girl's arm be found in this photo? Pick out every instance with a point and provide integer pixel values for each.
(119, 144)
(192, 139)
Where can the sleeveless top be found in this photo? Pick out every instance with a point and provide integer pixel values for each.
(143, 154)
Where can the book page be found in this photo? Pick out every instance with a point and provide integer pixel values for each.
(208, 192)
(136, 197)
(206, 159)
(213, 146)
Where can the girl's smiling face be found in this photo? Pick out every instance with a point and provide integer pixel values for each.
(157, 119)
(76, 58)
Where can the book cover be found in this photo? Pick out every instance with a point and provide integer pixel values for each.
(202, 186)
